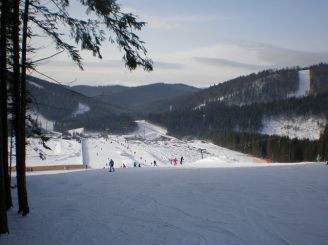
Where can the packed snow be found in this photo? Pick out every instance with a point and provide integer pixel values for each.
(169, 206)
(295, 127)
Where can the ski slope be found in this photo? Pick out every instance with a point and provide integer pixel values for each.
(169, 206)
(304, 83)
(223, 198)
(147, 144)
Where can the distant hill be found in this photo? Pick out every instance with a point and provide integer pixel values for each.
(141, 99)
(262, 87)
(290, 104)
(244, 103)
(67, 109)
(92, 91)
(96, 107)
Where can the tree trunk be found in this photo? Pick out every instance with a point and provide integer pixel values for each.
(3, 208)
(3, 102)
(17, 96)
(3, 195)
(22, 167)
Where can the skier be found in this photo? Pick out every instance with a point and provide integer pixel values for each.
(175, 161)
(134, 164)
(181, 160)
(111, 166)
(155, 163)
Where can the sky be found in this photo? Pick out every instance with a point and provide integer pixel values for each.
(202, 43)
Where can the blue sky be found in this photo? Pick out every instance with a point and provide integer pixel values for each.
(206, 42)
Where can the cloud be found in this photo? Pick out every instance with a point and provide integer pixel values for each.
(228, 63)
(281, 56)
(112, 64)
(170, 22)
(167, 65)
(289, 57)
(256, 56)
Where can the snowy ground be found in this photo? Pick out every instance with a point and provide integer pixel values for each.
(258, 205)
(62, 152)
(148, 144)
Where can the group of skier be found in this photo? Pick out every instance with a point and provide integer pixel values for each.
(173, 162)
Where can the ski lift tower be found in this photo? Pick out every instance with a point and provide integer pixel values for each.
(202, 152)
(85, 153)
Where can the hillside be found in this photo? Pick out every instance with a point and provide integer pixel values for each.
(96, 108)
(253, 113)
(263, 87)
(62, 109)
(141, 99)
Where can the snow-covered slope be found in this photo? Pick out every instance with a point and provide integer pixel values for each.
(224, 198)
(63, 152)
(303, 83)
(295, 127)
(169, 206)
(148, 144)
(42, 122)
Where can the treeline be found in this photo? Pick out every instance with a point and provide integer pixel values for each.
(103, 121)
(275, 148)
(319, 78)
